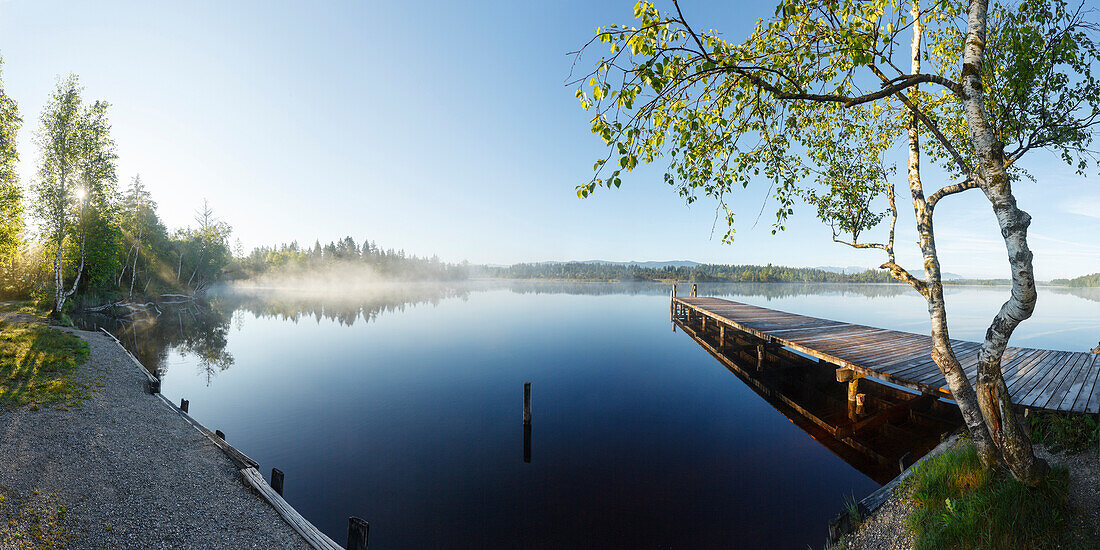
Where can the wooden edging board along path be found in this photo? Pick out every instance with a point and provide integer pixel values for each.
(1062, 381)
(248, 470)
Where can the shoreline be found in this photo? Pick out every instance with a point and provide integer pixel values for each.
(122, 470)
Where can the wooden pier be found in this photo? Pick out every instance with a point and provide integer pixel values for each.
(1036, 378)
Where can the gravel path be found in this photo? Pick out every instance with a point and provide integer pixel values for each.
(128, 472)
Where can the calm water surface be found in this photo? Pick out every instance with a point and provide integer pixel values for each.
(403, 404)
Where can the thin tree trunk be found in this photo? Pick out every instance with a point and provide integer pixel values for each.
(942, 353)
(133, 272)
(59, 291)
(1004, 425)
(122, 274)
(79, 272)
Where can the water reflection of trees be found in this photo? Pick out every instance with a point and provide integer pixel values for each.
(200, 330)
(363, 305)
(197, 329)
(1087, 293)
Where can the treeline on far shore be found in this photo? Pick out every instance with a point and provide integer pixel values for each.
(1082, 281)
(703, 273)
(347, 258)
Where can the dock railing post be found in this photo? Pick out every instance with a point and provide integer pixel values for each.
(358, 533)
(277, 480)
(672, 307)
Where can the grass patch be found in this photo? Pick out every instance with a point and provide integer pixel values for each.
(961, 505)
(37, 363)
(24, 306)
(1069, 432)
(37, 526)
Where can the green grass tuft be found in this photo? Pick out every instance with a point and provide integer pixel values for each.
(37, 363)
(1062, 431)
(959, 504)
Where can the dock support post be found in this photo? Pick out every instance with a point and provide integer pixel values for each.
(853, 391)
(277, 480)
(760, 357)
(526, 403)
(721, 337)
(358, 533)
(184, 404)
(855, 399)
(220, 434)
(694, 290)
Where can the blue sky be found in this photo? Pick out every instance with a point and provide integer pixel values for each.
(439, 127)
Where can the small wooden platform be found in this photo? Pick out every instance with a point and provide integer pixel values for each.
(1036, 378)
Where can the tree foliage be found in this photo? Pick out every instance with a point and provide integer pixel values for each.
(806, 104)
(11, 195)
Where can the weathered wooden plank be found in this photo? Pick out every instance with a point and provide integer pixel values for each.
(1090, 385)
(1056, 391)
(1021, 384)
(1072, 388)
(307, 530)
(1093, 405)
(1011, 369)
(1054, 368)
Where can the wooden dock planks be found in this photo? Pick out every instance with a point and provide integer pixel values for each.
(1042, 379)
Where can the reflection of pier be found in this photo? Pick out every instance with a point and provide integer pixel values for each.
(886, 431)
(1036, 378)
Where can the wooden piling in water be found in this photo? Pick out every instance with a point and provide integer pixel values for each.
(527, 403)
(220, 434)
(184, 405)
(358, 533)
(694, 291)
(277, 480)
(527, 443)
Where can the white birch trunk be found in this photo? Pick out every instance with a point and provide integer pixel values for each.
(942, 354)
(1002, 421)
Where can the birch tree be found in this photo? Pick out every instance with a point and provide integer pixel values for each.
(812, 101)
(11, 196)
(142, 229)
(76, 172)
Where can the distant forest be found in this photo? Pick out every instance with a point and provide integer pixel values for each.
(1082, 281)
(366, 260)
(578, 271)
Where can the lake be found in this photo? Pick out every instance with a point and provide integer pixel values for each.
(401, 404)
